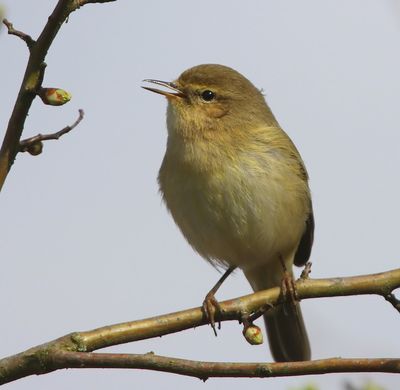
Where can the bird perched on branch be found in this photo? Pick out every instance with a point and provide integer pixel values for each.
(237, 188)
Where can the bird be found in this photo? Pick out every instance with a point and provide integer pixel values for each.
(237, 187)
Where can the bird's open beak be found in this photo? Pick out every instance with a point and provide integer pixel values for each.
(174, 90)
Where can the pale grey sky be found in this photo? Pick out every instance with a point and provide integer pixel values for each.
(84, 237)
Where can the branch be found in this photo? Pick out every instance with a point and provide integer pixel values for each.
(32, 80)
(393, 300)
(12, 31)
(83, 2)
(61, 353)
(204, 370)
(34, 146)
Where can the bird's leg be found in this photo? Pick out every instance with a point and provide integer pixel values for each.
(288, 286)
(210, 304)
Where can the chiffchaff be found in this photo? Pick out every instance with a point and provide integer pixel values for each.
(237, 188)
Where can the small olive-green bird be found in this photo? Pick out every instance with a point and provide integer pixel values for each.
(237, 188)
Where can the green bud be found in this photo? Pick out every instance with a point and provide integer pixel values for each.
(54, 96)
(35, 148)
(253, 334)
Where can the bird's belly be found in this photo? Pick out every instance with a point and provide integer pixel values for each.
(234, 218)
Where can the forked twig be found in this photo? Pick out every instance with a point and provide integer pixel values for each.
(33, 145)
(25, 37)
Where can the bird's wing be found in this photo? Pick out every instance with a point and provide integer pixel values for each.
(304, 249)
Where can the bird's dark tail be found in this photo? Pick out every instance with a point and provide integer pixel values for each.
(287, 335)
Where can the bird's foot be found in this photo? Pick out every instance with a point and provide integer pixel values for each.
(288, 288)
(210, 304)
(210, 307)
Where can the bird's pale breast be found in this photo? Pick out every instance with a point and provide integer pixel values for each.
(247, 209)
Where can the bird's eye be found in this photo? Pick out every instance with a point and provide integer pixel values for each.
(208, 95)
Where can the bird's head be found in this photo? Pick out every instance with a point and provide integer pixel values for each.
(212, 98)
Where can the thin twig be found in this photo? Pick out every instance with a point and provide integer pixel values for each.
(305, 274)
(25, 37)
(204, 370)
(28, 143)
(32, 81)
(83, 2)
(41, 359)
(393, 300)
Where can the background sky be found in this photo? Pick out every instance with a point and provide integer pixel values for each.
(85, 240)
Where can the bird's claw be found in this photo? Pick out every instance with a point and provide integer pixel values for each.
(288, 288)
(210, 307)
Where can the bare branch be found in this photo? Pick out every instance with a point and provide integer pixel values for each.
(25, 37)
(49, 357)
(32, 81)
(393, 300)
(84, 2)
(30, 145)
(204, 370)
(379, 284)
(305, 274)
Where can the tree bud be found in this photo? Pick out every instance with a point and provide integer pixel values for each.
(54, 96)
